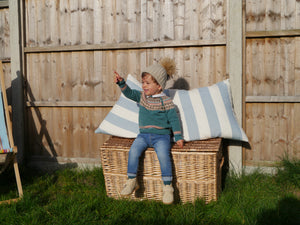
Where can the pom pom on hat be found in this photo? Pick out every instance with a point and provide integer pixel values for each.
(162, 71)
(169, 65)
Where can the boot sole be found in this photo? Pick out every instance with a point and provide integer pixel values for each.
(168, 203)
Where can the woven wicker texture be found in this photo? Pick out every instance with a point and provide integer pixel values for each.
(196, 170)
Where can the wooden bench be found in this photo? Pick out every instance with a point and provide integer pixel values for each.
(196, 170)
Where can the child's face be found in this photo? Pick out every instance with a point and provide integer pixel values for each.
(149, 86)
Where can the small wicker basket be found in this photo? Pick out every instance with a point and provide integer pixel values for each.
(196, 170)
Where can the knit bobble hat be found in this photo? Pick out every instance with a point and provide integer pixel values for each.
(162, 71)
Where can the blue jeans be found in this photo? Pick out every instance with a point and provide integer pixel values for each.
(162, 146)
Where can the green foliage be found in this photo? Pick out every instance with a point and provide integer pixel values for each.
(78, 197)
(288, 172)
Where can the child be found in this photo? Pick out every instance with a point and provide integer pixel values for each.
(158, 120)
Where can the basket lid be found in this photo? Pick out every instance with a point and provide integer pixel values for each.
(208, 145)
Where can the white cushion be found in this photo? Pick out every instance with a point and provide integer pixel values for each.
(122, 120)
(204, 112)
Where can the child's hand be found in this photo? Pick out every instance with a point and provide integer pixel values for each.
(180, 143)
(118, 78)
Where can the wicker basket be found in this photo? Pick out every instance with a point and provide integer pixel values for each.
(196, 170)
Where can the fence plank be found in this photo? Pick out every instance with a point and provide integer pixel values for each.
(4, 34)
(288, 15)
(297, 66)
(273, 15)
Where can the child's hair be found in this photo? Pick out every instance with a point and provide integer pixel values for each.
(152, 78)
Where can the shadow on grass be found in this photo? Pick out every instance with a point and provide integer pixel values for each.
(287, 212)
(7, 181)
(29, 175)
(8, 185)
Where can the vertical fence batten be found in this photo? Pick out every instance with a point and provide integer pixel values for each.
(235, 71)
(16, 76)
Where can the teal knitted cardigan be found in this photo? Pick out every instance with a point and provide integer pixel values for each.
(157, 115)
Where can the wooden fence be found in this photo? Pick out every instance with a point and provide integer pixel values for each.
(70, 49)
(272, 80)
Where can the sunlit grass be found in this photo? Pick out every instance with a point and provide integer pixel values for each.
(78, 197)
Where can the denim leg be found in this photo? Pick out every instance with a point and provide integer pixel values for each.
(162, 147)
(137, 148)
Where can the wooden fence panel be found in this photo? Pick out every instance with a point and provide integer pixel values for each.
(77, 22)
(272, 78)
(271, 66)
(70, 93)
(4, 34)
(274, 132)
(272, 99)
(70, 90)
(88, 75)
(7, 79)
(65, 131)
(272, 15)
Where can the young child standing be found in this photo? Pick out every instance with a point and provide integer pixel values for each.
(158, 120)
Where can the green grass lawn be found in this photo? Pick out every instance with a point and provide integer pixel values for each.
(78, 197)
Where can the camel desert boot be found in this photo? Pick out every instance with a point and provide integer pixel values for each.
(168, 194)
(130, 186)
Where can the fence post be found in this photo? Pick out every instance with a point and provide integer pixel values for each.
(235, 71)
(16, 76)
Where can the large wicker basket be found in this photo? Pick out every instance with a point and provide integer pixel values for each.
(196, 170)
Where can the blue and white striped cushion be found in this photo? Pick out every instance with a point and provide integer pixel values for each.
(122, 120)
(204, 112)
(207, 113)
